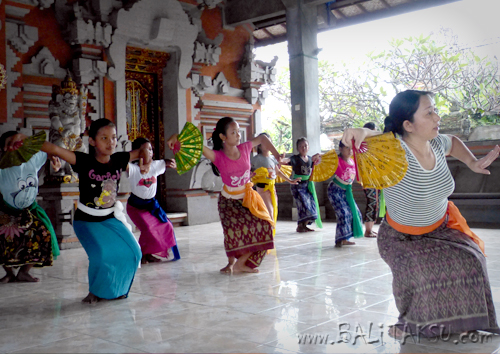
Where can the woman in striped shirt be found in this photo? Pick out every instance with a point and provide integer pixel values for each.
(440, 281)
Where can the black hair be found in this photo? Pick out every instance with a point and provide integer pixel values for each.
(4, 138)
(299, 140)
(401, 109)
(94, 128)
(220, 128)
(259, 150)
(138, 142)
(370, 125)
(341, 144)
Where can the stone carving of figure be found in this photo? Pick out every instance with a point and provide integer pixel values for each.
(67, 123)
(466, 126)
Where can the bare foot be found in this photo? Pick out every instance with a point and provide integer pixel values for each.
(237, 268)
(9, 278)
(396, 333)
(347, 243)
(371, 234)
(229, 268)
(151, 259)
(308, 229)
(91, 299)
(26, 277)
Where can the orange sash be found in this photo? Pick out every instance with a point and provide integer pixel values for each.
(455, 221)
(253, 201)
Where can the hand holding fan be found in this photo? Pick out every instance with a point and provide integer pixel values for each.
(326, 167)
(380, 161)
(287, 171)
(188, 148)
(23, 150)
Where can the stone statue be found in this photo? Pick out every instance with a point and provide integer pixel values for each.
(67, 111)
(466, 123)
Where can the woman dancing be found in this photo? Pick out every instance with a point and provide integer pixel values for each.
(440, 281)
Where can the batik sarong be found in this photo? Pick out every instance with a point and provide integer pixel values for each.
(244, 232)
(114, 255)
(157, 232)
(371, 205)
(440, 282)
(338, 198)
(26, 237)
(304, 200)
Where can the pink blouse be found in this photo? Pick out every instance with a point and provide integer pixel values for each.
(234, 173)
(346, 171)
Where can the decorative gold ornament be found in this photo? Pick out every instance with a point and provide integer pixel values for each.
(3, 77)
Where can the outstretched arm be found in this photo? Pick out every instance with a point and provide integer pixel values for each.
(207, 152)
(266, 143)
(461, 152)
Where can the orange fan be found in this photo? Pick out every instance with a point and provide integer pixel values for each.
(326, 167)
(380, 161)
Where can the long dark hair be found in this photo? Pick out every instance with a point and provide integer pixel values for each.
(94, 128)
(259, 150)
(220, 128)
(401, 109)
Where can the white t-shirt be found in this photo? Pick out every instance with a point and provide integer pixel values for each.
(421, 198)
(144, 185)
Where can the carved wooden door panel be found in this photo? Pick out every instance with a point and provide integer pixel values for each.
(144, 92)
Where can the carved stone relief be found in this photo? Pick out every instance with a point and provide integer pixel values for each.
(44, 64)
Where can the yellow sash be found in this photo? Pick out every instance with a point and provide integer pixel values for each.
(253, 201)
(262, 176)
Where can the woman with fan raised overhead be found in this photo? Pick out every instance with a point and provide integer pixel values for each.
(342, 199)
(247, 225)
(27, 238)
(440, 281)
(304, 192)
(157, 232)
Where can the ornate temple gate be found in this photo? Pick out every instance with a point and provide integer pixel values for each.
(144, 92)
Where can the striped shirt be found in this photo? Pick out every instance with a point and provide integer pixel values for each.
(421, 198)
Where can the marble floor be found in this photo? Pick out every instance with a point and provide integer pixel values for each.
(306, 294)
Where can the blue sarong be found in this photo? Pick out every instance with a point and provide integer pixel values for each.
(306, 205)
(114, 256)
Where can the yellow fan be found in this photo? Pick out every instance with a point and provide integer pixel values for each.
(380, 161)
(326, 167)
(188, 148)
(23, 151)
(286, 170)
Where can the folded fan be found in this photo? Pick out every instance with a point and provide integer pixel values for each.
(380, 161)
(23, 150)
(188, 148)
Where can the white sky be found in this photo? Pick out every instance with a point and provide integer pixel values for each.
(475, 22)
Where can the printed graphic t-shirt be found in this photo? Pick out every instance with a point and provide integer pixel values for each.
(19, 184)
(299, 166)
(234, 173)
(144, 185)
(99, 182)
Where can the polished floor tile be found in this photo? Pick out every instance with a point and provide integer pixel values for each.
(309, 297)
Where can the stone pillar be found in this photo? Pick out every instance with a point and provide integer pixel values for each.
(302, 49)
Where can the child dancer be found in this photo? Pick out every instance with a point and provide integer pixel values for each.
(304, 192)
(157, 232)
(27, 238)
(342, 200)
(99, 221)
(244, 217)
(266, 176)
